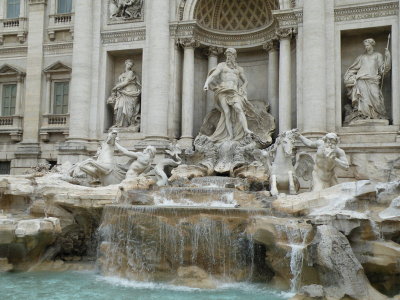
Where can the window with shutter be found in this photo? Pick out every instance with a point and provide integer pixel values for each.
(8, 100)
(13, 9)
(60, 104)
(64, 6)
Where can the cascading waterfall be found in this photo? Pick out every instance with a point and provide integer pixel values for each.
(296, 238)
(376, 230)
(151, 243)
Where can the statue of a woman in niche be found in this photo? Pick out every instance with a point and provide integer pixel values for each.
(363, 81)
(125, 98)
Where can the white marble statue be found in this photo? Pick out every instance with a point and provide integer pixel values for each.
(126, 9)
(125, 99)
(140, 163)
(229, 84)
(174, 160)
(328, 157)
(363, 81)
(104, 166)
(278, 158)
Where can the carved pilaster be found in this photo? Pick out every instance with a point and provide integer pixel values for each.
(284, 33)
(271, 45)
(213, 51)
(188, 42)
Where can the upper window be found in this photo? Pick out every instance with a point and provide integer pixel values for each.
(13, 9)
(8, 100)
(60, 104)
(64, 6)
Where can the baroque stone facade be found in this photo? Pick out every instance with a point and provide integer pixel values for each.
(60, 60)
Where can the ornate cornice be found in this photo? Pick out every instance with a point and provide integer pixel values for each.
(188, 42)
(366, 11)
(13, 51)
(284, 33)
(123, 36)
(271, 45)
(213, 51)
(288, 18)
(58, 48)
(222, 39)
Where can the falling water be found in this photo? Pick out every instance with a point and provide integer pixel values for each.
(297, 238)
(151, 243)
(376, 230)
(195, 196)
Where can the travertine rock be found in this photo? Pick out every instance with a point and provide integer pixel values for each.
(339, 270)
(194, 277)
(392, 212)
(335, 198)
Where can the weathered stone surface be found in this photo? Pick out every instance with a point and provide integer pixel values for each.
(378, 256)
(330, 200)
(339, 270)
(4, 265)
(313, 291)
(386, 192)
(392, 212)
(194, 277)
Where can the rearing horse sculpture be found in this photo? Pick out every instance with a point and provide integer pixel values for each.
(104, 167)
(279, 158)
(282, 170)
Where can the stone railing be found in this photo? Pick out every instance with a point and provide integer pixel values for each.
(6, 121)
(13, 126)
(54, 123)
(16, 26)
(60, 22)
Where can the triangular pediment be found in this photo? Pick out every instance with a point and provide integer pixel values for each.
(9, 70)
(58, 67)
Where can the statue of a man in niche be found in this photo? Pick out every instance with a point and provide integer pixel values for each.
(363, 81)
(125, 99)
(229, 84)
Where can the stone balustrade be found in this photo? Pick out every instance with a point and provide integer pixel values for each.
(16, 26)
(54, 123)
(13, 126)
(60, 22)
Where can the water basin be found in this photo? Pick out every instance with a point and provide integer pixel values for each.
(88, 285)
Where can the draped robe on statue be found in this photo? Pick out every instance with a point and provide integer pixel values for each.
(222, 93)
(365, 92)
(127, 103)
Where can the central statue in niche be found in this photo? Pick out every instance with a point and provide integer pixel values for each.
(230, 98)
(233, 129)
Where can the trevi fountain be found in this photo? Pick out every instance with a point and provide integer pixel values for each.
(200, 149)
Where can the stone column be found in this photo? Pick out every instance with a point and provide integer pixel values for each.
(285, 84)
(189, 44)
(48, 94)
(28, 151)
(81, 77)
(34, 68)
(20, 84)
(157, 65)
(22, 9)
(212, 54)
(272, 48)
(314, 67)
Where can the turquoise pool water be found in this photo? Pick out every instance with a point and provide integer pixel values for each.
(90, 286)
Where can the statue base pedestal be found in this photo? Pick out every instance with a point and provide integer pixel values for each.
(369, 122)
